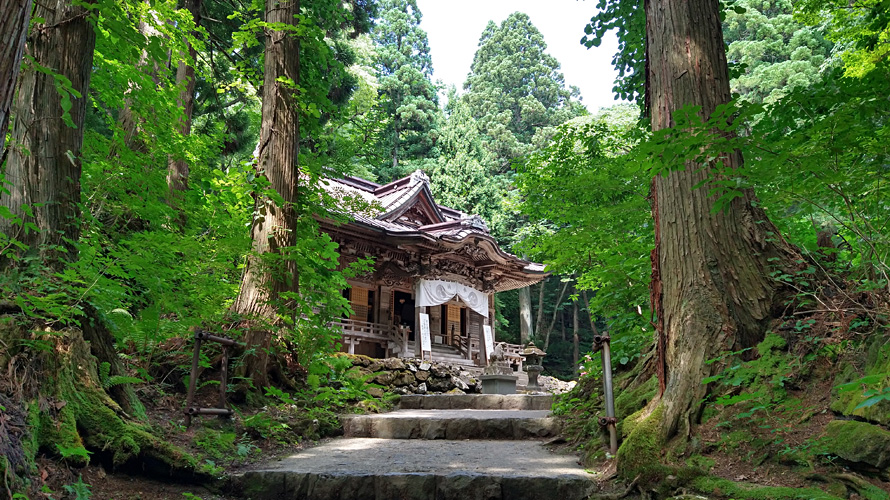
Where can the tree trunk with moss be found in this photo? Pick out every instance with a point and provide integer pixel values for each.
(271, 273)
(56, 394)
(711, 285)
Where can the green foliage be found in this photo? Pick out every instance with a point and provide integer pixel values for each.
(359, 138)
(78, 490)
(860, 30)
(460, 177)
(752, 395)
(816, 157)
(77, 452)
(774, 51)
(216, 444)
(762, 380)
(863, 381)
(607, 244)
(873, 393)
(628, 19)
(716, 486)
(109, 381)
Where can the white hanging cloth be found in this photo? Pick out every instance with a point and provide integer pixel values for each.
(436, 292)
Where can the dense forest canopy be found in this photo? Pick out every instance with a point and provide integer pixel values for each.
(162, 169)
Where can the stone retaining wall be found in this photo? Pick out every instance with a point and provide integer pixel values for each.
(413, 376)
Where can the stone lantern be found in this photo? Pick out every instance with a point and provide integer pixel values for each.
(533, 365)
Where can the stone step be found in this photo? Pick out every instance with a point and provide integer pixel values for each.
(452, 424)
(382, 469)
(476, 402)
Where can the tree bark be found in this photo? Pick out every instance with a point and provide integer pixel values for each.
(556, 310)
(526, 330)
(274, 226)
(178, 168)
(593, 327)
(44, 163)
(14, 17)
(576, 341)
(711, 288)
(395, 148)
(539, 322)
(127, 120)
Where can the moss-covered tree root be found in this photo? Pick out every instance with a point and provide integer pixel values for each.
(54, 380)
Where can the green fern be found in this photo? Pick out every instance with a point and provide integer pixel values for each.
(109, 381)
(79, 490)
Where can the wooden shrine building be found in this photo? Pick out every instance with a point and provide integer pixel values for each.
(432, 265)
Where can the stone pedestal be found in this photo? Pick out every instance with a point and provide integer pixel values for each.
(533, 372)
(498, 384)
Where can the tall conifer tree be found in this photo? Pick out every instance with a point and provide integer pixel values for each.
(515, 89)
(405, 69)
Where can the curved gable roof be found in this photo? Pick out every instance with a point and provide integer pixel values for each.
(413, 191)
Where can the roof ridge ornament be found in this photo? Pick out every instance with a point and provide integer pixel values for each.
(418, 176)
(474, 221)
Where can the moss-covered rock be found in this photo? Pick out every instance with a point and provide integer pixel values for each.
(858, 442)
(845, 400)
(724, 488)
(632, 400)
(641, 452)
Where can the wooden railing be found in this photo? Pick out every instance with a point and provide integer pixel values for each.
(393, 339)
(513, 353)
(463, 346)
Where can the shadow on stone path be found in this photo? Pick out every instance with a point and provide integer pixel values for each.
(434, 448)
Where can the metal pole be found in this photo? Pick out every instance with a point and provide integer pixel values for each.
(610, 399)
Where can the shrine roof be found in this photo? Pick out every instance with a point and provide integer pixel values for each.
(406, 208)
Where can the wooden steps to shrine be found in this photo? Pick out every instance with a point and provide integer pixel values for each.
(437, 447)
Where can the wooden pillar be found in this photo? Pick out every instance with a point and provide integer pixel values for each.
(378, 317)
(474, 327)
(492, 311)
(418, 352)
(386, 306)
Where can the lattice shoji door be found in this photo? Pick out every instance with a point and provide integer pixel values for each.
(359, 300)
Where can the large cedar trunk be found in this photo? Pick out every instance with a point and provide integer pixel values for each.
(178, 169)
(274, 226)
(711, 285)
(44, 160)
(14, 16)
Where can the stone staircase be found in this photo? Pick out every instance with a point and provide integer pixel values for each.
(444, 354)
(436, 447)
